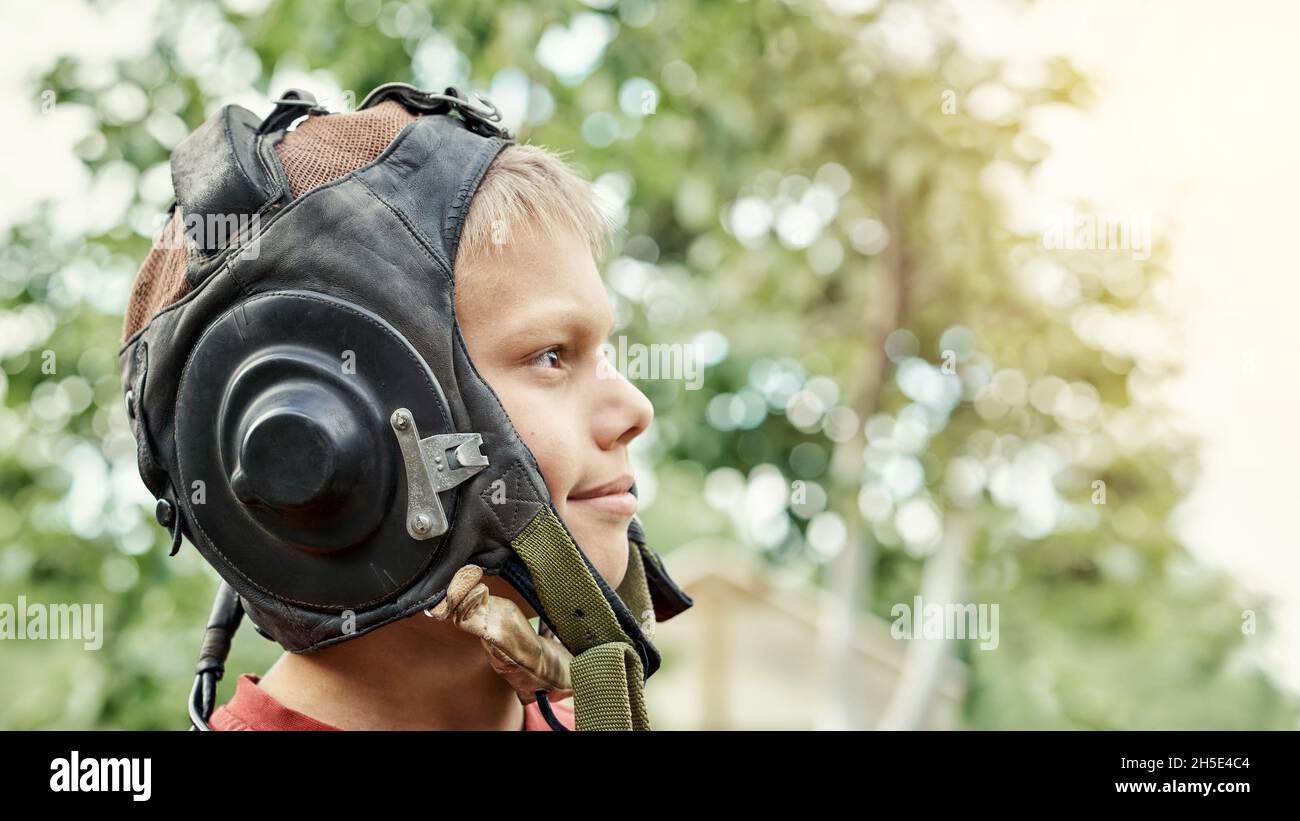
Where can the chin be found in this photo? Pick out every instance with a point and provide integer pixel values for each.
(605, 544)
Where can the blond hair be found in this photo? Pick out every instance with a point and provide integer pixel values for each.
(531, 188)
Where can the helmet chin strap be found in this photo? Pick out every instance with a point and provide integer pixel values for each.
(536, 667)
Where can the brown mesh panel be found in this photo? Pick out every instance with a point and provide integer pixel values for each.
(161, 280)
(320, 150)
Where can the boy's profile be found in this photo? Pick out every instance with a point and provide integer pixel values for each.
(533, 313)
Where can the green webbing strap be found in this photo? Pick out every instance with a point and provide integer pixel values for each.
(635, 593)
(595, 672)
(608, 679)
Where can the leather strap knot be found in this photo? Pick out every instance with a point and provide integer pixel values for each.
(528, 661)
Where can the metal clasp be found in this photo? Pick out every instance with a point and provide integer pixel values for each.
(490, 114)
(433, 464)
(483, 116)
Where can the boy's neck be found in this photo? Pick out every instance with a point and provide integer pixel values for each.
(414, 674)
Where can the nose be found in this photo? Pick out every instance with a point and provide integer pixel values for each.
(624, 412)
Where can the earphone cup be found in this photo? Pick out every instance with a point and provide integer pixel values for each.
(287, 458)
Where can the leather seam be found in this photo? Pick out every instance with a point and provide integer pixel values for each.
(454, 223)
(414, 230)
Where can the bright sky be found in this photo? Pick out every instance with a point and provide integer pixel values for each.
(1198, 123)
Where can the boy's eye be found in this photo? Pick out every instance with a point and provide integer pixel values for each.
(548, 358)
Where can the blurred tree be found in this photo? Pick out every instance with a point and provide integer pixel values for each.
(829, 199)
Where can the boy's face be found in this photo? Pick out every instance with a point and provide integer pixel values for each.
(534, 318)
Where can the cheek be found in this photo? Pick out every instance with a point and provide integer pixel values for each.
(546, 427)
(550, 427)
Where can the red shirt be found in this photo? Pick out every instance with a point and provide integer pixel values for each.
(252, 708)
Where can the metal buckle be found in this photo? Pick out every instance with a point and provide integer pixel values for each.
(491, 114)
(485, 112)
(433, 464)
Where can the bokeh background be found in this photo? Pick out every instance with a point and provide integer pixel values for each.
(844, 205)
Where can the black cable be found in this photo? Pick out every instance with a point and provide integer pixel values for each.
(198, 721)
(544, 704)
(227, 612)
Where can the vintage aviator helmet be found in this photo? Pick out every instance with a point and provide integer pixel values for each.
(306, 413)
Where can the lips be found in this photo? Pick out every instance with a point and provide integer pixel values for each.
(613, 498)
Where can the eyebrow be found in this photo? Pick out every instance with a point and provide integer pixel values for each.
(540, 322)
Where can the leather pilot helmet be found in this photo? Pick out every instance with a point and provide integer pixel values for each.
(306, 412)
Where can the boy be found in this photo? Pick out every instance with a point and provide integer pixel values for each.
(533, 313)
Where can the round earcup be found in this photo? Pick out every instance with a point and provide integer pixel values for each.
(291, 471)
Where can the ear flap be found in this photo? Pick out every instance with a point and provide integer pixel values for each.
(225, 175)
